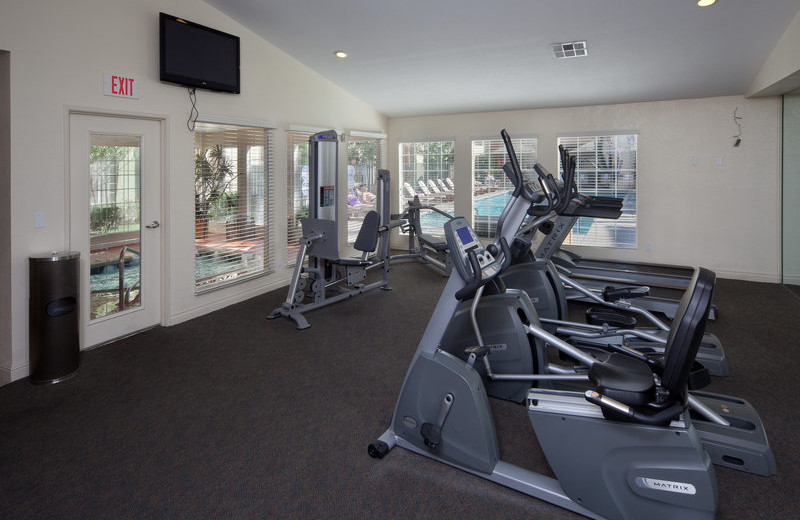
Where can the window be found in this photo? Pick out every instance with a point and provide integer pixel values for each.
(363, 160)
(491, 188)
(232, 204)
(426, 170)
(606, 166)
(297, 190)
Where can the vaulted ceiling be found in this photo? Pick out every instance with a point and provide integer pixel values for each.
(419, 57)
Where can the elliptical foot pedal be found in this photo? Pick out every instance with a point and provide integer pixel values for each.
(601, 316)
(699, 376)
(432, 435)
(479, 351)
(612, 294)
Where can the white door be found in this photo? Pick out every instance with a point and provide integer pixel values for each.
(114, 222)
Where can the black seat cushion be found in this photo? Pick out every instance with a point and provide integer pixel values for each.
(626, 379)
(433, 242)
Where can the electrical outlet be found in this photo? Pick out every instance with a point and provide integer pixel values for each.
(38, 220)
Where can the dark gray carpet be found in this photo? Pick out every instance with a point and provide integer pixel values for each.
(234, 416)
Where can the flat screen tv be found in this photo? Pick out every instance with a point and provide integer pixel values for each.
(197, 56)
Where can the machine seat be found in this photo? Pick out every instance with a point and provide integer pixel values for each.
(433, 242)
(625, 379)
(629, 381)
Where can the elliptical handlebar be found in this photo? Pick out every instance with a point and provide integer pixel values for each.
(512, 156)
(549, 188)
(570, 191)
(480, 274)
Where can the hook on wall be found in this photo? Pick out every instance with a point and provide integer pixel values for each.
(736, 120)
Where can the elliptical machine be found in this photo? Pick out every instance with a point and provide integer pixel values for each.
(612, 323)
(503, 319)
(625, 448)
(429, 249)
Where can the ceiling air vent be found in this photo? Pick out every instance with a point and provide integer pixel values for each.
(570, 50)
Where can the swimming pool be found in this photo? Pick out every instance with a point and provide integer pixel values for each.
(105, 277)
(486, 209)
(491, 205)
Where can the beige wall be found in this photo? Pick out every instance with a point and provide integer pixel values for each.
(59, 53)
(726, 218)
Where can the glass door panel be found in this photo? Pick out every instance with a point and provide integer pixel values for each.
(114, 224)
(791, 191)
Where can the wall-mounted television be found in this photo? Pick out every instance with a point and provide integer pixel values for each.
(194, 55)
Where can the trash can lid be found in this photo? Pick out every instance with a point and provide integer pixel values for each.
(55, 256)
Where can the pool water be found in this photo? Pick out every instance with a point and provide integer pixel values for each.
(492, 205)
(105, 277)
(486, 210)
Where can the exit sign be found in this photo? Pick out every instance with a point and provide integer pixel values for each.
(120, 86)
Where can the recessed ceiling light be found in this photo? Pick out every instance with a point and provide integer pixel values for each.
(570, 50)
(706, 3)
(340, 54)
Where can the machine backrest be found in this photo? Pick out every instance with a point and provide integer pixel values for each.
(367, 239)
(687, 331)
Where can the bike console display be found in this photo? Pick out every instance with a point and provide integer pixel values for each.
(464, 244)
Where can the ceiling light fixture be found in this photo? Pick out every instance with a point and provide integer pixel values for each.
(706, 3)
(570, 50)
(340, 54)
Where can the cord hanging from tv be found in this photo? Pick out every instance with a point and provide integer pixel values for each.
(197, 56)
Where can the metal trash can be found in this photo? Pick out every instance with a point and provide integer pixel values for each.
(54, 342)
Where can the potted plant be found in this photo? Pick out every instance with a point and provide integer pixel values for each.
(213, 173)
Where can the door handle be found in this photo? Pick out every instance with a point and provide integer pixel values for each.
(154, 224)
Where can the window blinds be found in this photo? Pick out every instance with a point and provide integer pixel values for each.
(296, 189)
(606, 167)
(233, 198)
(427, 171)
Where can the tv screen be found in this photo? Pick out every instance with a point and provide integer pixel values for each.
(197, 56)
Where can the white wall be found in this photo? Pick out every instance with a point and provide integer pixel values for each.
(59, 52)
(726, 218)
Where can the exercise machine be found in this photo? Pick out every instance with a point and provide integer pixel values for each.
(625, 447)
(547, 286)
(665, 283)
(429, 249)
(320, 275)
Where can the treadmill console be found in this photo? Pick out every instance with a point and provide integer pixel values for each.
(462, 240)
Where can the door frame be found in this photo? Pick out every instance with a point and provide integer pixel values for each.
(164, 217)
